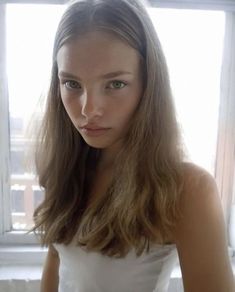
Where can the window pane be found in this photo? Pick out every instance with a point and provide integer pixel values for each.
(30, 34)
(37, 196)
(17, 196)
(193, 43)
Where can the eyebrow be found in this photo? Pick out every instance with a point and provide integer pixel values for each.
(107, 75)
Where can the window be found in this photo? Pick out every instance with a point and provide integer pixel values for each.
(37, 196)
(17, 196)
(29, 53)
(193, 43)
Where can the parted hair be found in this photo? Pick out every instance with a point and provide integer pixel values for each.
(141, 204)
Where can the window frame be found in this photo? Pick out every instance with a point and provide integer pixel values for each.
(224, 5)
(224, 170)
(5, 221)
(225, 157)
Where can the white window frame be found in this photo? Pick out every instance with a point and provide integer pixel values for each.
(225, 159)
(4, 130)
(224, 5)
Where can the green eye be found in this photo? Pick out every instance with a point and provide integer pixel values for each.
(117, 84)
(71, 84)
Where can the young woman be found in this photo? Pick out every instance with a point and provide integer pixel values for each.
(120, 202)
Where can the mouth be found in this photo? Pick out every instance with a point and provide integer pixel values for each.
(94, 131)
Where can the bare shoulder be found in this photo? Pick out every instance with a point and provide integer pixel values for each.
(50, 275)
(200, 234)
(199, 202)
(195, 178)
(199, 192)
(199, 198)
(52, 250)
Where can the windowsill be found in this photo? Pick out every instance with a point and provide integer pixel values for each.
(22, 255)
(15, 238)
(20, 272)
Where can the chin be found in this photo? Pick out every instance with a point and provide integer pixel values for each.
(96, 144)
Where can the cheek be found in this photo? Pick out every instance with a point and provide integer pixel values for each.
(134, 102)
(66, 104)
(128, 110)
(71, 106)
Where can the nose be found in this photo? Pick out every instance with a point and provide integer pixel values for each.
(92, 104)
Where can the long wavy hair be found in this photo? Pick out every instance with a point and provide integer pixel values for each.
(141, 204)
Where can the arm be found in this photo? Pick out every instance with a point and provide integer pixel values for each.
(200, 236)
(50, 275)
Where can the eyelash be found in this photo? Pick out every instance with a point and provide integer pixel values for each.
(116, 81)
(67, 84)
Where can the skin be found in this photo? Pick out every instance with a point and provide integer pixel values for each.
(50, 275)
(92, 98)
(100, 88)
(200, 235)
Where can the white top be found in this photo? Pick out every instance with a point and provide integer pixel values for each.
(83, 271)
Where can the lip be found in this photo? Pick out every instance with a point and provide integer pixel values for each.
(94, 131)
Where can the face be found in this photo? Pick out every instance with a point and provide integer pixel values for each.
(100, 85)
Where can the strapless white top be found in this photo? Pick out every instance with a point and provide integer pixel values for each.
(83, 271)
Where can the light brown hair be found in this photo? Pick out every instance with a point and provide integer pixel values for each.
(141, 205)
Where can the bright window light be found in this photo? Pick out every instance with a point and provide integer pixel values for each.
(193, 44)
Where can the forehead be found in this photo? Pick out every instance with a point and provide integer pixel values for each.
(97, 51)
